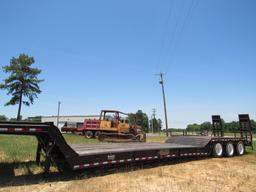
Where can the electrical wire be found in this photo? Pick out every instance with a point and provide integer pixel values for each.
(177, 19)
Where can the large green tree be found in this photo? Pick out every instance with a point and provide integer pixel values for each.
(22, 81)
(140, 119)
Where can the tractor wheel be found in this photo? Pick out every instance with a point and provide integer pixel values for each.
(88, 134)
(240, 148)
(217, 150)
(96, 134)
(230, 150)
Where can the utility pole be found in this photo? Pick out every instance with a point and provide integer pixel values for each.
(161, 81)
(152, 119)
(58, 116)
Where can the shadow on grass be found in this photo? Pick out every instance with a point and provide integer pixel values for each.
(30, 173)
(9, 178)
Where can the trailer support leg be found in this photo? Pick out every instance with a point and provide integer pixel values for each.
(48, 150)
(47, 164)
(38, 153)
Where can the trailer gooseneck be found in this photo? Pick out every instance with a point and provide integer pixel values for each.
(81, 156)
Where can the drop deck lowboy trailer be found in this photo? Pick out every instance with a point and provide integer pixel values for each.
(52, 144)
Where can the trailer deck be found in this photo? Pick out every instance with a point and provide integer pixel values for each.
(52, 144)
(106, 148)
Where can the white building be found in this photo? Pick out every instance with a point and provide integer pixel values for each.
(68, 119)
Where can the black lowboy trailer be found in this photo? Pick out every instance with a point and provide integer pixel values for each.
(52, 144)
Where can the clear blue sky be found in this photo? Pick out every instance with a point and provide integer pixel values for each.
(105, 54)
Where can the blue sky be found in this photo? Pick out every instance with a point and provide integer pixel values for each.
(105, 54)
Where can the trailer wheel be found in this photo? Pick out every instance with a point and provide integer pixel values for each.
(88, 134)
(217, 150)
(230, 149)
(96, 134)
(240, 148)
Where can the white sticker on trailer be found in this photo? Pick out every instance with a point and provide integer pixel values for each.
(111, 157)
(76, 167)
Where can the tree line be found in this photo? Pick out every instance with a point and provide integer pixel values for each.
(227, 126)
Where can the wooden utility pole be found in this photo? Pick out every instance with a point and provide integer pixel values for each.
(58, 117)
(164, 100)
(152, 119)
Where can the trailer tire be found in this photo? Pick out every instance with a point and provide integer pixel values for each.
(240, 148)
(217, 150)
(230, 150)
(88, 134)
(96, 134)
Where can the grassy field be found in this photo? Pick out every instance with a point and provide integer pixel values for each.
(23, 148)
(18, 169)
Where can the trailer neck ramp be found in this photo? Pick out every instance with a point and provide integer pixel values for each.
(51, 143)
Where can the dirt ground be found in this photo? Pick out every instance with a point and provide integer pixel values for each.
(225, 174)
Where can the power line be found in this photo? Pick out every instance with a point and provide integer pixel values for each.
(186, 20)
(165, 34)
(178, 17)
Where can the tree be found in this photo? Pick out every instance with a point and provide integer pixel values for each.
(156, 124)
(3, 118)
(194, 127)
(206, 126)
(22, 82)
(140, 119)
(227, 126)
(160, 124)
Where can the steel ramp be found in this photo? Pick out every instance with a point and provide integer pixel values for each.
(195, 141)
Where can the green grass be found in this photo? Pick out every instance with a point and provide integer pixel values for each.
(17, 148)
(22, 148)
(249, 149)
(78, 139)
